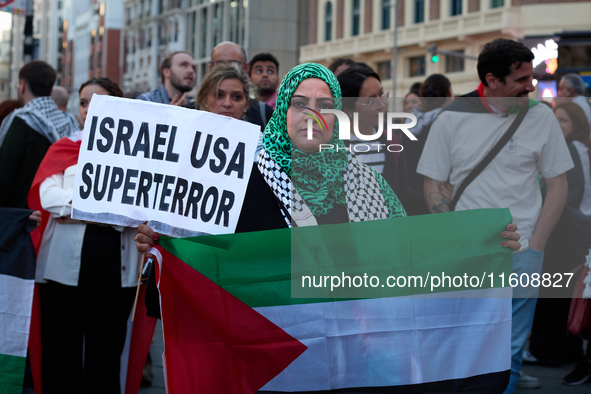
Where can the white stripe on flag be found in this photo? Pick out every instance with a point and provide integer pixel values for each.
(393, 341)
(16, 301)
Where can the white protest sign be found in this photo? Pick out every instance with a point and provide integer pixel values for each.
(183, 171)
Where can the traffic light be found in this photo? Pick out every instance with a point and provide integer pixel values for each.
(433, 51)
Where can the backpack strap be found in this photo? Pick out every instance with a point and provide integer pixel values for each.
(489, 157)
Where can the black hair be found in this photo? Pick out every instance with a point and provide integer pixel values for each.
(111, 87)
(352, 79)
(436, 87)
(415, 88)
(339, 62)
(39, 77)
(499, 56)
(263, 57)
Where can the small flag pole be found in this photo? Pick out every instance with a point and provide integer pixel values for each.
(139, 279)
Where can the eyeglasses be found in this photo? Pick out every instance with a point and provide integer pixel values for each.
(301, 104)
(375, 102)
(235, 62)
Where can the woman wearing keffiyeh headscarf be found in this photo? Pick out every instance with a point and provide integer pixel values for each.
(331, 186)
(297, 184)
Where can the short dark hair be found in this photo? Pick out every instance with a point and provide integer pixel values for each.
(263, 57)
(436, 87)
(111, 87)
(167, 63)
(39, 77)
(339, 62)
(352, 79)
(499, 56)
(415, 88)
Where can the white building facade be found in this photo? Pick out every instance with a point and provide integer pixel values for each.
(157, 28)
(364, 31)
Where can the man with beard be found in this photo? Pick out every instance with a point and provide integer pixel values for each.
(263, 73)
(177, 72)
(463, 135)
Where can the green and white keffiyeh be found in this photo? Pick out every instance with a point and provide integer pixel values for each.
(321, 179)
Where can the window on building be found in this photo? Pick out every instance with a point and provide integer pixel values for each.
(356, 18)
(385, 70)
(242, 23)
(142, 40)
(416, 66)
(193, 30)
(234, 21)
(203, 68)
(203, 41)
(454, 64)
(59, 5)
(419, 16)
(456, 7)
(217, 24)
(386, 14)
(497, 3)
(328, 22)
(160, 6)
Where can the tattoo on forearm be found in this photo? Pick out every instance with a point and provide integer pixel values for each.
(439, 202)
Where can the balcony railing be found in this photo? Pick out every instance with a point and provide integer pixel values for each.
(480, 22)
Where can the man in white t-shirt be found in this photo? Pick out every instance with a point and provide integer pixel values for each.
(462, 136)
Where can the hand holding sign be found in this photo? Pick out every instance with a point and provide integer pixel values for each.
(183, 171)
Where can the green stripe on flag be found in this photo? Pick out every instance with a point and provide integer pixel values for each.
(266, 268)
(12, 373)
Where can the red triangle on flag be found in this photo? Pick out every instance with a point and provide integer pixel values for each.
(215, 343)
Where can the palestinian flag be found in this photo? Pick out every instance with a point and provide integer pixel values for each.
(231, 325)
(17, 281)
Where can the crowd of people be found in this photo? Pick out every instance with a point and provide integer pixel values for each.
(88, 271)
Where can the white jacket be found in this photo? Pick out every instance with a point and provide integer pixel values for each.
(61, 248)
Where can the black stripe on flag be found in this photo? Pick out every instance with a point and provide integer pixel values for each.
(491, 383)
(17, 254)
